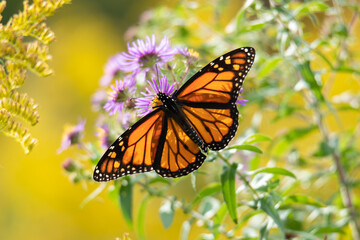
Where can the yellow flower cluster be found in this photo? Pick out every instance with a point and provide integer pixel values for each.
(24, 41)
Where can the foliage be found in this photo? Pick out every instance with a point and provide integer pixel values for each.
(24, 46)
(305, 183)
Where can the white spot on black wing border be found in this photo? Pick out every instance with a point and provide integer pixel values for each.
(128, 169)
(200, 158)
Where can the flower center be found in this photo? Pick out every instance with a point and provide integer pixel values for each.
(149, 60)
(121, 96)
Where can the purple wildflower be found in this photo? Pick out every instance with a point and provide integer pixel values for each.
(119, 96)
(144, 55)
(189, 53)
(72, 135)
(125, 119)
(240, 100)
(112, 68)
(103, 134)
(69, 165)
(145, 104)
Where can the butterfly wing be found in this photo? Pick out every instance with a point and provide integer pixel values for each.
(134, 151)
(208, 98)
(178, 155)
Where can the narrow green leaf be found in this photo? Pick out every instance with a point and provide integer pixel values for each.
(264, 232)
(126, 198)
(310, 7)
(328, 230)
(185, 230)
(159, 179)
(297, 133)
(220, 215)
(228, 189)
(267, 205)
(218, 219)
(274, 170)
(308, 76)
(207, 191)
(269, 65)
(141, 218)
(302, 199)
(245, 147)
(193, 181)
(327, 147)
(166, 212)
(257, 138)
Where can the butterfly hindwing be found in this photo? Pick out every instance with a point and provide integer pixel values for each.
(216, 126)
(208, 98)
(179, 154)
(134, 151)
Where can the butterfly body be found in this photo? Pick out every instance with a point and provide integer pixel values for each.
(172, 139)
(171, 106)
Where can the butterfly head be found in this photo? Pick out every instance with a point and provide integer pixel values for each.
(156, 102)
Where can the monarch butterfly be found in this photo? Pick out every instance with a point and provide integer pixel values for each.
(173, 138)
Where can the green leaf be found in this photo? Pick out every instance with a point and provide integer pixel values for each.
(297, 133)
(126, 198)
(218, 219)
(302, 199)
(327, 147)
(257, 138)
(141, 218)
(193, 181)
(185, 230)
(327, 230)
(267, 205)
(310, 7)
(268, 66)
(159, 179)
(274, 170)
(220, 215)
(211, 189)
(264, 232)
(245, 147)
(228, 189)
(309, 78)
(166, 212)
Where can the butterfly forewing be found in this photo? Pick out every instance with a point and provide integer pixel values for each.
(134, 151)
(219, 81)
(208, 98)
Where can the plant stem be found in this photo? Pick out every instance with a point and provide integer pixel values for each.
(345, 188)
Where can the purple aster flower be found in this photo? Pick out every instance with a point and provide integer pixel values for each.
(112, 68)
(103, 134)
(145, 104)
(188, 53)
(240, 100)
(125, 119)
(119, 96)
(144, 55)
(72, 135)
(69, 165)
